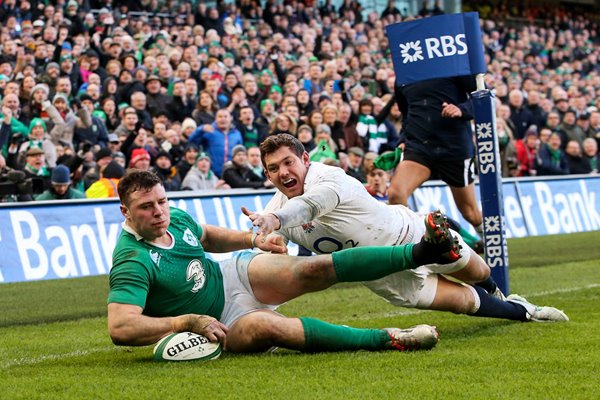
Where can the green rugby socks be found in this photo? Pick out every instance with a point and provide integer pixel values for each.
(323, 336)
(369, 263)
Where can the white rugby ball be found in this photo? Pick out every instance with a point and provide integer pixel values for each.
(186, 346)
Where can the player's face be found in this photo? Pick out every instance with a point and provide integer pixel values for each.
(287, 171)
(148, 212)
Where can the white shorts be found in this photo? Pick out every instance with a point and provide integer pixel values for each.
(239, 298)
(417, 287)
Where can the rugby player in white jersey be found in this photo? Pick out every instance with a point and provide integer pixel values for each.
(325, 210)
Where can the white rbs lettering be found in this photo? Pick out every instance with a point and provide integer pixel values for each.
(446, 46)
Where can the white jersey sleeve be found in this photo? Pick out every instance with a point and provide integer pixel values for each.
(323, 191)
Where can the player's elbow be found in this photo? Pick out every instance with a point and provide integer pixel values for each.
(119, 336)
(119, 332)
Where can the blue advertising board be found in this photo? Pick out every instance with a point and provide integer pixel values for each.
(71, 239)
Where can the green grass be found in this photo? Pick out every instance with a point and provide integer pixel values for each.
(54, 344)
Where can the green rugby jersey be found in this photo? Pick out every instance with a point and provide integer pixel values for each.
(167, 281)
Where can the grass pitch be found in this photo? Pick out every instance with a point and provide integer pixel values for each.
(54, 344)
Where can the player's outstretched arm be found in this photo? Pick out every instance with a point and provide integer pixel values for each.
(127, 326)
(318, 201)
(222, 240)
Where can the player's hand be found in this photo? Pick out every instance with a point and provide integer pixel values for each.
(271, 243)
(266, 223)
(204, 325)
(450, 111)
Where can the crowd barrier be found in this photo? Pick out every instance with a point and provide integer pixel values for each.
(65, 239)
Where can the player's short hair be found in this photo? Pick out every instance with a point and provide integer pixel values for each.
(273, 143)
(135, 180)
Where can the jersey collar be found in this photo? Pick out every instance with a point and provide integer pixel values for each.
(130, 230)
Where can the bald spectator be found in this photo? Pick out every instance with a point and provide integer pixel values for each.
(519, 114)
(138, 102)
(533, 105)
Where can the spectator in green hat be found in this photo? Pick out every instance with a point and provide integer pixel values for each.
(38, 138)
(265, 82)
(228, 60)
(201, 176)
(276, 94)
(267, 112)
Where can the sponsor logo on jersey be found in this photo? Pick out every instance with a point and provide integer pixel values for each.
(155, 256)
(309, 227)
(190, 238)
(195, 271)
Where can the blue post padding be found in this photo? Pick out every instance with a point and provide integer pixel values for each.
(490, 185)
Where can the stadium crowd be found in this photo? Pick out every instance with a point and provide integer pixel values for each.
(92, 88)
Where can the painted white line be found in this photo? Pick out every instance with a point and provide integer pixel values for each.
(51, 357)
(566, 290)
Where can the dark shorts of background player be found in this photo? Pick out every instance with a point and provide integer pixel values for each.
(456, 173)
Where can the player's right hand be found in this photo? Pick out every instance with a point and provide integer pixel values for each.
(204, 325)
(266, 223)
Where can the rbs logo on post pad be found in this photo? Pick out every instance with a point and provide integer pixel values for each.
(436, 47)
(445, 46)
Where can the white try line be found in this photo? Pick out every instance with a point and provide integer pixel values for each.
(412, 311)
(52, 357)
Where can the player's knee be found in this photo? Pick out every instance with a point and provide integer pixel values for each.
(483, 274)
(479, 270)
(256, 332)
(459, 301)
(464, 301)
(397, 195)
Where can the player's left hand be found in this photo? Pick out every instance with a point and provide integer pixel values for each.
(266, 223)
(272, 243)
(451, 111)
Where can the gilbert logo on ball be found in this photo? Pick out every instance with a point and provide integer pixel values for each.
(186, 346)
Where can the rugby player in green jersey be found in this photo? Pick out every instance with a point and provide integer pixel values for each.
(162, 282)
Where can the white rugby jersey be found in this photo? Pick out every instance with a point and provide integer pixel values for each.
(336, 212)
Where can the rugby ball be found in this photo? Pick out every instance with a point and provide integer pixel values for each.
(186, 346)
